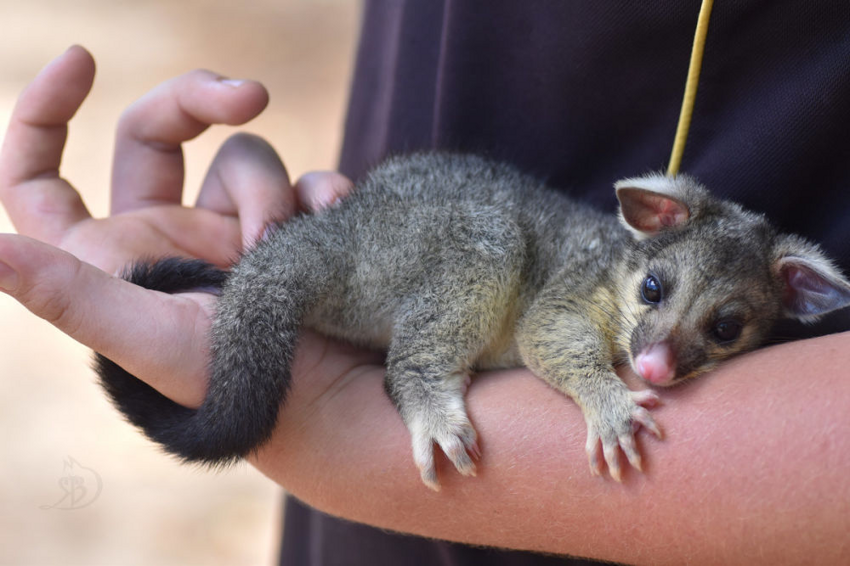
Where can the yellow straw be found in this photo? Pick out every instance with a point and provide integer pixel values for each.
(690, 89)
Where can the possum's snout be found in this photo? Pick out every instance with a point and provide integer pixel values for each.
(656, 364)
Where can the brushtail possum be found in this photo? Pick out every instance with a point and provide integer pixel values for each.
(454, 263)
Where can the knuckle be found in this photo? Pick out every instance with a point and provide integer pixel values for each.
(128, 119)
(53, 307)
(51, 302)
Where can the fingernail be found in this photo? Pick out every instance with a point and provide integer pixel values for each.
(232, 82)
(8, 278)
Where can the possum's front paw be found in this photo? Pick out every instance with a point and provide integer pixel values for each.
(453, 433)
(613, 424)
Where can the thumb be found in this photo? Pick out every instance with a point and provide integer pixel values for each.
(157, 337)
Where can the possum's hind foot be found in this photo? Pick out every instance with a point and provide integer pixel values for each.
(435, 414)
(614, 427)
(449, 428)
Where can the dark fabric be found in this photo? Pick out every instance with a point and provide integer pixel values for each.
(312, 538)
(585, 93)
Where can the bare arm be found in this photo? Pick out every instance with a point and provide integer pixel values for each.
(753, 469)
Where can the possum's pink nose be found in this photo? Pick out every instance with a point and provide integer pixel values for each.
(656, 364)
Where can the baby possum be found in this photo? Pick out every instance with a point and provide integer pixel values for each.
(454, 264)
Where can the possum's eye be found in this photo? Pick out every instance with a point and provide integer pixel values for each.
(726, 330)
(650, 290)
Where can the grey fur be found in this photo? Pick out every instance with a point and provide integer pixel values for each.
(454, 263)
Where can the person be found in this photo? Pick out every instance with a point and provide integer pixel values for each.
(753, 466)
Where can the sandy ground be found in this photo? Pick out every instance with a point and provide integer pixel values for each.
(133, 504)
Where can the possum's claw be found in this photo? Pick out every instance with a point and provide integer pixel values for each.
(592, 449)
(614, 434)
(645, 398)
(627, 443)
(457, 440)
(640, 416)
(609, 453)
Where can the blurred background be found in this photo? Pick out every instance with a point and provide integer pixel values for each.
(134, 505)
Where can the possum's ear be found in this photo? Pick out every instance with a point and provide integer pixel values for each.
(812, 285)
(651, 204)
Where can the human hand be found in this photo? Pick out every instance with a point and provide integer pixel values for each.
(60, 267)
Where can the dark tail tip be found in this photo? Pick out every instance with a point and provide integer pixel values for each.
(176, 275)
(161, 419)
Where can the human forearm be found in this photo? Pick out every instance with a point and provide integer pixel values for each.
(753, 467)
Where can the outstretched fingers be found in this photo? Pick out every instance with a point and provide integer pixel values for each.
(148, 161)
(39, 202)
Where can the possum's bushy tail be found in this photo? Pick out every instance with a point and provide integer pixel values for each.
(253, 341)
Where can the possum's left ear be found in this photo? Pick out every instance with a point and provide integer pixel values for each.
(812, 285)
(651, 204)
